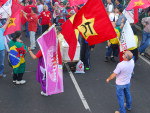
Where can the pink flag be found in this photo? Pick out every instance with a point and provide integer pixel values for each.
(49, 47)
(138, 4)
(76, 2)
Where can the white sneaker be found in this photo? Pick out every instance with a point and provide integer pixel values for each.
(20, 82)
(44, 94)
(14, 81)
(17, 82)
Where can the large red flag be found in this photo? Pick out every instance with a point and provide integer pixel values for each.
(76, 2)
(70, 35)
(15, 20)
(138, 4)
(93, 23)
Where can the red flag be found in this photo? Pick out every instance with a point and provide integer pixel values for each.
(14, 24)
(69, 34)
(93, 23)
(76, 2)
(15, 20)
(138, 4)
(2, 2)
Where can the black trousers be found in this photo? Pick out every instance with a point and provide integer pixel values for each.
(18, 76)
(44, 28)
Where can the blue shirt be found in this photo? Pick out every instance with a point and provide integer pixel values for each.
(2, 39)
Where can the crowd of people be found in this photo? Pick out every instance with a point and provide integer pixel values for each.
(40, 15)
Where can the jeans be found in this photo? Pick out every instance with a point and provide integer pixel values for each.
(112, 50)
(32, 40)
(121, 91)
(2, 57)
(145, 41)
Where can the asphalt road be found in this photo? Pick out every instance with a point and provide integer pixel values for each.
(98, 96)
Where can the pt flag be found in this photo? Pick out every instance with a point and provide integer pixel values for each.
(142, 4)
(70, 35)
(93, 23)
(49, 46)
(15, 20)
(76, 2)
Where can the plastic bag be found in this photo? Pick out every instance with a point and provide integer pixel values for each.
(80, 67)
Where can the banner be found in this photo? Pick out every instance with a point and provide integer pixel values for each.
(49, 46)
(129, 15)
(5, 10)
(127, 37)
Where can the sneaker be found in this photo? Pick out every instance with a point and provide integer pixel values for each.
(87, 68)
(17, 82)
(2, 76)
(14, 81)
(142, 54)
(20, 82)
(44, 94)
(106, 59)
(112, 59)
(129, 109)
(117, 112)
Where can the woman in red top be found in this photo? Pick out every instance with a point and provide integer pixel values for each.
(32, 18)
(46, 18)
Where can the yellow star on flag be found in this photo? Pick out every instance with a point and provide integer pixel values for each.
(86, 27)
(138, 3)
(12, 22)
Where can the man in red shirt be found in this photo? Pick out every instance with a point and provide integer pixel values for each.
(32, 18)
(46, 19)
(27, 9)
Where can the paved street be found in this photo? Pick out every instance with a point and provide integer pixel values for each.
(99, 96)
